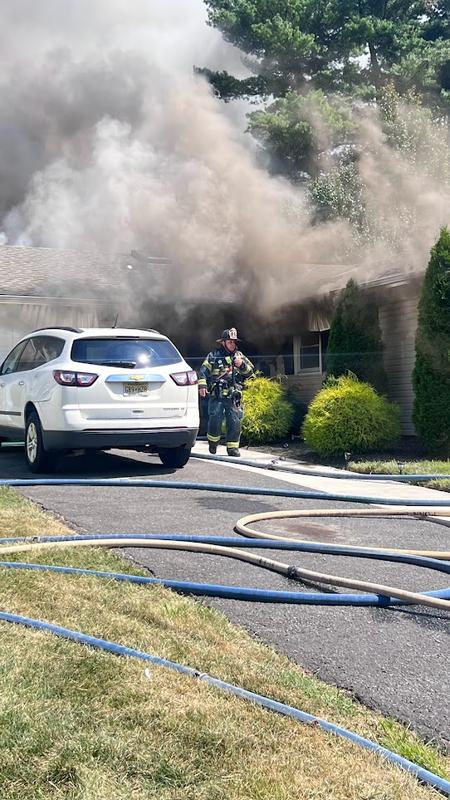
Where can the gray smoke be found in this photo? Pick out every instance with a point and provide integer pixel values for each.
(110, 143)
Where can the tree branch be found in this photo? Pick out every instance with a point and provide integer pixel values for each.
(374, 63)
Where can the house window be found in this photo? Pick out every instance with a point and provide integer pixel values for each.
(310, 351)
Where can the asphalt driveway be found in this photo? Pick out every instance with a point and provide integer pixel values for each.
(395, 660)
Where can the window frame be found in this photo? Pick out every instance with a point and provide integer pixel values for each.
(296, 348)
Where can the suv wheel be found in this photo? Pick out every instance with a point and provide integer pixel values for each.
(38, 459)
(175, 457)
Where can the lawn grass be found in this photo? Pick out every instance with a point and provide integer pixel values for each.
(392, 467)
(80, 724)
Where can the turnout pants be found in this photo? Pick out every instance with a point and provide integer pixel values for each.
(217, 410)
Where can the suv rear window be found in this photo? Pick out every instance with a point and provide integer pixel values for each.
(123, 352)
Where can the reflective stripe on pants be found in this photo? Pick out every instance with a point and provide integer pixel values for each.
(233, 418)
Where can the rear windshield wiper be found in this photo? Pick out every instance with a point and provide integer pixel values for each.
(112, 363)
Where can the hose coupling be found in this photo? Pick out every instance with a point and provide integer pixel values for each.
(292, 572)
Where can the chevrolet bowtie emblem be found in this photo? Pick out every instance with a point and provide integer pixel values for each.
(137, 377)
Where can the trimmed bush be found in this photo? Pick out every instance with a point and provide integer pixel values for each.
(355, 342)
(431, 376)
(349, 416)
(268, 415)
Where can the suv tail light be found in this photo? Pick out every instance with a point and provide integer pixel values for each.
(185, 378)
(66, 378)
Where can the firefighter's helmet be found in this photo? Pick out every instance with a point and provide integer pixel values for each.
(229, 333)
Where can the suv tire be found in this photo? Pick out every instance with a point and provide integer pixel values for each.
(37, 457)
(175, 457)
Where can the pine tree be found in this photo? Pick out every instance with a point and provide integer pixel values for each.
(355, 344)
(431, 376)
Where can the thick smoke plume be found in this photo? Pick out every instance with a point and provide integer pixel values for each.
(109, 142)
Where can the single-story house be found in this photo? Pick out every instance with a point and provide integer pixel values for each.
(396, 297)
(293, 340)
(43, 286)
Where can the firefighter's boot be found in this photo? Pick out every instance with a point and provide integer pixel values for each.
(233, 451)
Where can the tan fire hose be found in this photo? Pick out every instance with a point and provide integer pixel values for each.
(266, 563)
(421, 512)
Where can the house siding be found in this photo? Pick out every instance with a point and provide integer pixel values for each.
(398, 312)
(19, 319)
(398, 322)
(306, 385)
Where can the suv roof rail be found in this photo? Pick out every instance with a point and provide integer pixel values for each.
(151, 330)
(58, 328)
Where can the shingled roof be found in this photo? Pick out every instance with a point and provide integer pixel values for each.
(45, 271)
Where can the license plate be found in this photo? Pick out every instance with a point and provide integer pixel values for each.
(135, 388)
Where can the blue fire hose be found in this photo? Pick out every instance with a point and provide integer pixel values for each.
(281, 708)
(237, 592)
(131, 483)
(241, 593)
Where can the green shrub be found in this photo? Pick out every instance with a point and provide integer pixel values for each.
(268, 415)
(431, 376)
(355, 342)
(350, 416)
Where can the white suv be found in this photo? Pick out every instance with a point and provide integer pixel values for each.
(64, 389)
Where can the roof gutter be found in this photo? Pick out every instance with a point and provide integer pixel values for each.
(39, 300)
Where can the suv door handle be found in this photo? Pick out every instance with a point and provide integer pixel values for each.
(21, 383)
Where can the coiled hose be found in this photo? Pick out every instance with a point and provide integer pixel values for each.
(226, 546)
(428, 506)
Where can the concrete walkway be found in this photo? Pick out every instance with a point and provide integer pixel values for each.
(310, 479)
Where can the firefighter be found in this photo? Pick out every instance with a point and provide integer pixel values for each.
(222, 375)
